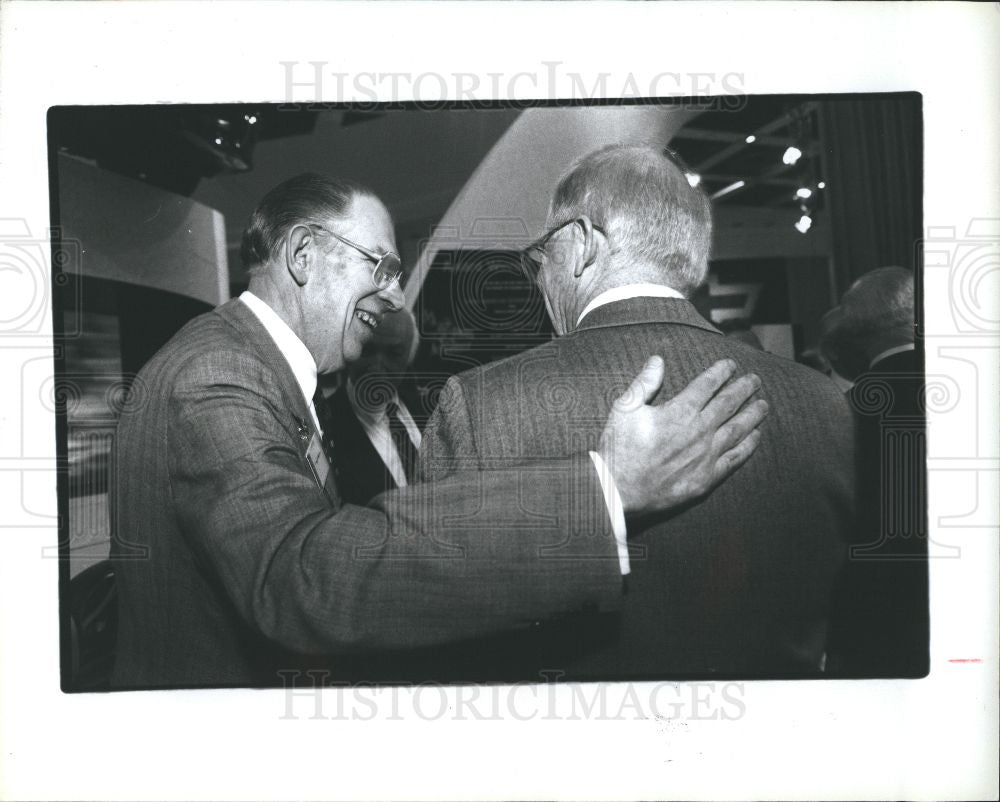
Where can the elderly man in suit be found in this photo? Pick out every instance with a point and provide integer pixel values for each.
(235, 556)
(737, 583)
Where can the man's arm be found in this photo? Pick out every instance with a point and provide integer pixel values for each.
(449, 441)
(474, 554)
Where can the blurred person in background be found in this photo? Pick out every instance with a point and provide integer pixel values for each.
(370, 428)
(882, 624)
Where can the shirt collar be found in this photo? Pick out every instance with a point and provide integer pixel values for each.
(291, 347)
(627, 291)
(891, 352)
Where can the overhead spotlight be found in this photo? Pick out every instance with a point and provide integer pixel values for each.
(224, 135)
(804, 224)
(693, 179)
(803, 192)
(751, 139)
(821, 185)
(791, 155)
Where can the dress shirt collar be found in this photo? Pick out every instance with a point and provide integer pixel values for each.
(291, 347)
(627, 291)
(891, 352)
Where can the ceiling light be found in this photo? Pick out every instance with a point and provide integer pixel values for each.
(751, 139)
(791, 155)
(731, 188)
(693, 179)
(821, 185)
(804, 224)
(803, 192)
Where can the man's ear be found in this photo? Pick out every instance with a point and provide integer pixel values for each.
(300, 253)
(589, 255)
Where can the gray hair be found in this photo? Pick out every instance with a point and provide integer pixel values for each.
(304, 199)
(653, 215)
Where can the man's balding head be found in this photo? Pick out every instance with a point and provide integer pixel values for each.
(875, 314)
(881, 299)
(658, 224)
(878, 310)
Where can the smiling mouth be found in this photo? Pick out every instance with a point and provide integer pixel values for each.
(367, 318)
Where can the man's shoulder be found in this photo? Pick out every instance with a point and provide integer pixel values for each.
(804, 382)
(208, 348)
(607, 357)
(502, 372)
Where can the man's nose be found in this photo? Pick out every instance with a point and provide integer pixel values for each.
(393, 295)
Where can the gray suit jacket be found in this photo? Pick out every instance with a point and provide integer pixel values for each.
(234, 563)
(737, 584)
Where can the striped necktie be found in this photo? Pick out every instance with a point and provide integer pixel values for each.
(401, 439)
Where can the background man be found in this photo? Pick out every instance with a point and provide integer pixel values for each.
(371, 429)
(235, 556)
(842, 355)
(878, 319)
(882, 622)
(738, 583)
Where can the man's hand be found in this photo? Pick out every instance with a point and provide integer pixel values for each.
(666, 455)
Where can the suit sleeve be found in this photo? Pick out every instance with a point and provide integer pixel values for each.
(449, 443)
(474, 553)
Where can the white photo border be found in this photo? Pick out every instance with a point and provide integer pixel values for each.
(928, 739)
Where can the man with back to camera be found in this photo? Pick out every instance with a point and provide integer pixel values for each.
(737, 583)
(234, 555)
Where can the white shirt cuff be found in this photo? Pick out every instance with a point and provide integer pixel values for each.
(615, 510)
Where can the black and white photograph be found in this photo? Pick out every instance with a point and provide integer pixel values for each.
(372, 396)
(380, 480)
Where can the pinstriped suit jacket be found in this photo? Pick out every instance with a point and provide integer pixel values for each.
(233, 563)
(737, 584)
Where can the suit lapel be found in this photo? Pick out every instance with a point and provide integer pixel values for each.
(645, 309)
(298, 420)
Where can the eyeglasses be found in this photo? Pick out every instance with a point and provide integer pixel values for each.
(388, 266)
(536, 250)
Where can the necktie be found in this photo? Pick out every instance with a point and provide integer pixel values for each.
(401, 439)
(322, 407)
(323, 414)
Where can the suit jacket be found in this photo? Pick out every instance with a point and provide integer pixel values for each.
(736, 584)
(233, 562)
(881, 621)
